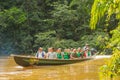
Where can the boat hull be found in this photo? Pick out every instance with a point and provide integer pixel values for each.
(31, 61)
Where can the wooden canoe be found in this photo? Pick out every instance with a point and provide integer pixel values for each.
(31, 61)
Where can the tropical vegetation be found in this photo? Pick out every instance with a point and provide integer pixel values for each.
(110, 9)
(26, 25)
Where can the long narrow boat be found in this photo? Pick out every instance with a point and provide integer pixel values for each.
(31, 61)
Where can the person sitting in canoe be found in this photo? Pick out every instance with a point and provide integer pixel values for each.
(51, 54)
(86, 49)
(40, 53)
(79, 52)
(89, 53)
(59, 54)
(66, 54)
(74, 54)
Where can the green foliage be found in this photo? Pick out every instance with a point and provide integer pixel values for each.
(13, 16)
(109, 8)
(63, 18)
(98, 40)
(10, 21)
(26, 25)
(66, 44)
(46, 39)
(112, 69)
(100, 8)
(115, 40)
(68, 24)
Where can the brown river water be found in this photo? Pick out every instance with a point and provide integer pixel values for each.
(88, 70)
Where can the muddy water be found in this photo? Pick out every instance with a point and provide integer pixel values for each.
(87, 70)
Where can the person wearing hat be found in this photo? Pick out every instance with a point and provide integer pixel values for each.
(40, 53)
(86, 49)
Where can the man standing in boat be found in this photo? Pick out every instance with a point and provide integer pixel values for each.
(86, 47)
(86, 50)
(40, 53)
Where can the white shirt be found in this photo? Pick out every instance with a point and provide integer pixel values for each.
(52, 55)
(85, 48)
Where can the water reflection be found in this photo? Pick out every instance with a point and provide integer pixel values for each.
(79, 71)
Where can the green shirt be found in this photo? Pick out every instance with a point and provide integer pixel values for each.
(89, 53)
(78, 54)
(59, 56)
(66, 55)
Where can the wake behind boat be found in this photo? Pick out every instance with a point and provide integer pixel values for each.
(32, 61)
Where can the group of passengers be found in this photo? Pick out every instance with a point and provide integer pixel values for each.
(66, 54)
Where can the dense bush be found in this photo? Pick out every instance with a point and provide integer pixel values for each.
(101, 8)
